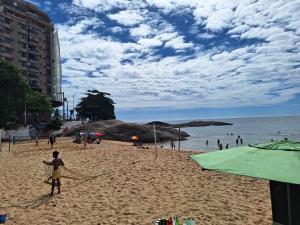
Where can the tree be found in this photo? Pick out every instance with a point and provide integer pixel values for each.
(15, 93)
(13, 89)
(56, 121)
(96, 106)
(38, 105)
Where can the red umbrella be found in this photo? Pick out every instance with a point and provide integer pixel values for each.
(98, 134)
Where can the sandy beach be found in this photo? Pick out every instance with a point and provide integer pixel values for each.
(128, 187)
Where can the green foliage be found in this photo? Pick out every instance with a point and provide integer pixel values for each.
(15, 93)
(38, 103)
(96, 106)
(56, 121)
(13, 89)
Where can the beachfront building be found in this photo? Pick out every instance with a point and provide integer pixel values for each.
(29, 41)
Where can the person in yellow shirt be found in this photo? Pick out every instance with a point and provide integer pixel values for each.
(56, 163)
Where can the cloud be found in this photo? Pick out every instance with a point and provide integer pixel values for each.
(35, 2)
(231, 53)
(146, 43)
(127, 17)
(108, 5)
(142, 31)
(178, 43)
(117, 29)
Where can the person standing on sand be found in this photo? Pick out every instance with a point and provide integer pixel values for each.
(51, 140)
(85, 140)
(36, 141)
(56, 163)
(172, 144)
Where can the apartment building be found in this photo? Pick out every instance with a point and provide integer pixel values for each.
(29, 41)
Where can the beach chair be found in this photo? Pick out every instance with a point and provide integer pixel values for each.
(3, 219)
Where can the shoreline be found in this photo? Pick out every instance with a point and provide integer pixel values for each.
(130, 187)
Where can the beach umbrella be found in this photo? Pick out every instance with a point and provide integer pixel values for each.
(134, 138)
(278, 162)
(98, 134)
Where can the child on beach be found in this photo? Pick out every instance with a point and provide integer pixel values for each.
(56, 163)
(51, 140)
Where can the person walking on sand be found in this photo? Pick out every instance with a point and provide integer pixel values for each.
(51, 140)
(36, 141)
(56, 163)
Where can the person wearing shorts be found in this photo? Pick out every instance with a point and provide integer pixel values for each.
(56, 172)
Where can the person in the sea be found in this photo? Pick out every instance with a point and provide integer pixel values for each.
(241, 140)
(218, 141)
(206, 142)
(226, 146)
(221, 146)
(237, 141)
(56, 173)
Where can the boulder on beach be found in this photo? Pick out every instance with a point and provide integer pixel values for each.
(121, 131)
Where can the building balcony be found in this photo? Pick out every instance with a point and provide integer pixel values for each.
(5, 54)
(33, 51)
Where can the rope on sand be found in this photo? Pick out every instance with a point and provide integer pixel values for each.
(71, 174)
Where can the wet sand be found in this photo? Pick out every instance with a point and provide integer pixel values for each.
(128, 187)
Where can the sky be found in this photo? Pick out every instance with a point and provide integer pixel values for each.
(182, 59)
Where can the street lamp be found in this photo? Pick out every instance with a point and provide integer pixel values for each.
(63, 101)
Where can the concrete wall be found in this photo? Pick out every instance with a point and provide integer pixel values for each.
(21, 133)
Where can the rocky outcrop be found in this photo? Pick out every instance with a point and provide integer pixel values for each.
(121, 131)
(196, 123)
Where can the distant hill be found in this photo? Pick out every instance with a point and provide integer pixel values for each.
(195, 123)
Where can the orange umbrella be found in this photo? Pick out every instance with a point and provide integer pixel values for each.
(134, 138)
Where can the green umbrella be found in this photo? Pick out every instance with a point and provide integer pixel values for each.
(278, 162)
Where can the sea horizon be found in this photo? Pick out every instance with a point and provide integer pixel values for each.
(252, 130)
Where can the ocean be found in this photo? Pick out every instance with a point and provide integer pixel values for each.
(251, 130)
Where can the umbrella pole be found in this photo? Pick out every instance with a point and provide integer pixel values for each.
(289, 203)
(154, 132)
(179, 139)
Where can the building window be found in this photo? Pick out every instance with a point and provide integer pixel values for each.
(7, 40)
(7, 21)
(23, 26)
(7, 30)
(7, 50)
(24, 54)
